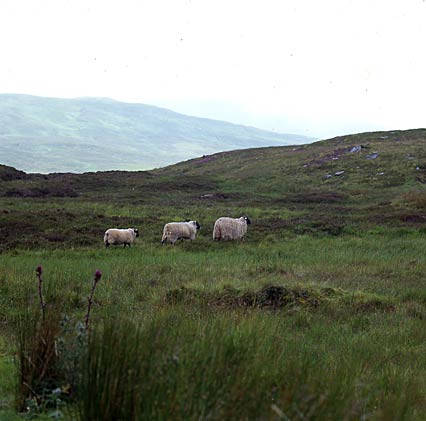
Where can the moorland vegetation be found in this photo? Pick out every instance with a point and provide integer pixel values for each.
(319, 314)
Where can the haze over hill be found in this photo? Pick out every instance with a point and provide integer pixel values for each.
(45, 135)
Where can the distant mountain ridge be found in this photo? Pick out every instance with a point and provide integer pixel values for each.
(45, 135)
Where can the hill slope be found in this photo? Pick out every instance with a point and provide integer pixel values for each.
(347, 184)
(93, 134)
(321, 310)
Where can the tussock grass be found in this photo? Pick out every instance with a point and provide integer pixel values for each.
(340, 334)
(276, 297)
(188, 365)
(37, 357)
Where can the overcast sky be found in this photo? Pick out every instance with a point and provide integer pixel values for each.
(318, 68)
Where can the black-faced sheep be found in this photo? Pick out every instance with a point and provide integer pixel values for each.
(230, 228)
(116, 237)
(174, 231)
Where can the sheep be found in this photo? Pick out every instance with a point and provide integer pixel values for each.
(230, 229)
(174, 231)
(116, 237)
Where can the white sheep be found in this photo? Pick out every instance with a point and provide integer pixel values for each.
(174, 231)
(230, 228)
(116, 237)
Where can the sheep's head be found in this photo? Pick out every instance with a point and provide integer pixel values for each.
(195, 224)
(246, 218)
(136, 232)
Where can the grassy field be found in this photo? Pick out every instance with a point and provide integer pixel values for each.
(319, 314)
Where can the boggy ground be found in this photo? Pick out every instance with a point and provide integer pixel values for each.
(319, 314)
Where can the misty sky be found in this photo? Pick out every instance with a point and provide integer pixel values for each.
(318, 68)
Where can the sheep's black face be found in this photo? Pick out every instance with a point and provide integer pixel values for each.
(247, 220)
(136, 232)
(197, 225)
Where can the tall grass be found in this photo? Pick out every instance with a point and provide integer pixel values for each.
(183, 364)
(49, 351)
(111, 374)
(37, 356)
(358, 353)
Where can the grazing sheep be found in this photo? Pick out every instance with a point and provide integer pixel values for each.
(116, 237)
(174, 231)
(230, 229)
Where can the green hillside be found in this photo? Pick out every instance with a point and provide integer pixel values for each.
(319, 314)
(358, 181)
(92, 134)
